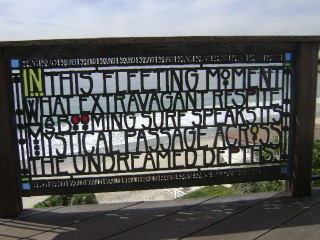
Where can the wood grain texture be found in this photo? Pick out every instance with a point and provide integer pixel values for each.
(303, 130)
(10, 202)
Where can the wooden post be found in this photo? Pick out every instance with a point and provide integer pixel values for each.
(10, 202)
(303, 129)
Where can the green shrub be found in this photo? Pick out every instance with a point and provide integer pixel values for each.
(256, 187)
(316, 155)
(68, 200)
(210, 191)
(316, 162)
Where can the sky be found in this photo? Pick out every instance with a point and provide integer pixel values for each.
(59, 19)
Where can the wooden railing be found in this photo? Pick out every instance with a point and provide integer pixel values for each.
(93, 115)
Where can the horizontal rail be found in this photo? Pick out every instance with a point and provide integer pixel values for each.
(137, 40)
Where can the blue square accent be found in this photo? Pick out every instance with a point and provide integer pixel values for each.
(284, 170)
(288, 56)
(26, 186)
(14, 63)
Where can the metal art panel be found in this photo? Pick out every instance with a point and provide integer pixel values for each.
(119, 123)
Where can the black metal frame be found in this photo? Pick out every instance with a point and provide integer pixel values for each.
(40, 68)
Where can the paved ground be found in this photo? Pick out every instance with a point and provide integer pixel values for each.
(253, 216)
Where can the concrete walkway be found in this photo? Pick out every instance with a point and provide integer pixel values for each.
(252, 216)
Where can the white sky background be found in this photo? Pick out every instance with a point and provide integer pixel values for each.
(56, 19)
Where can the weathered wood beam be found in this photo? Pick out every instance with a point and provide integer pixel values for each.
(10, 202)
(305, 86)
